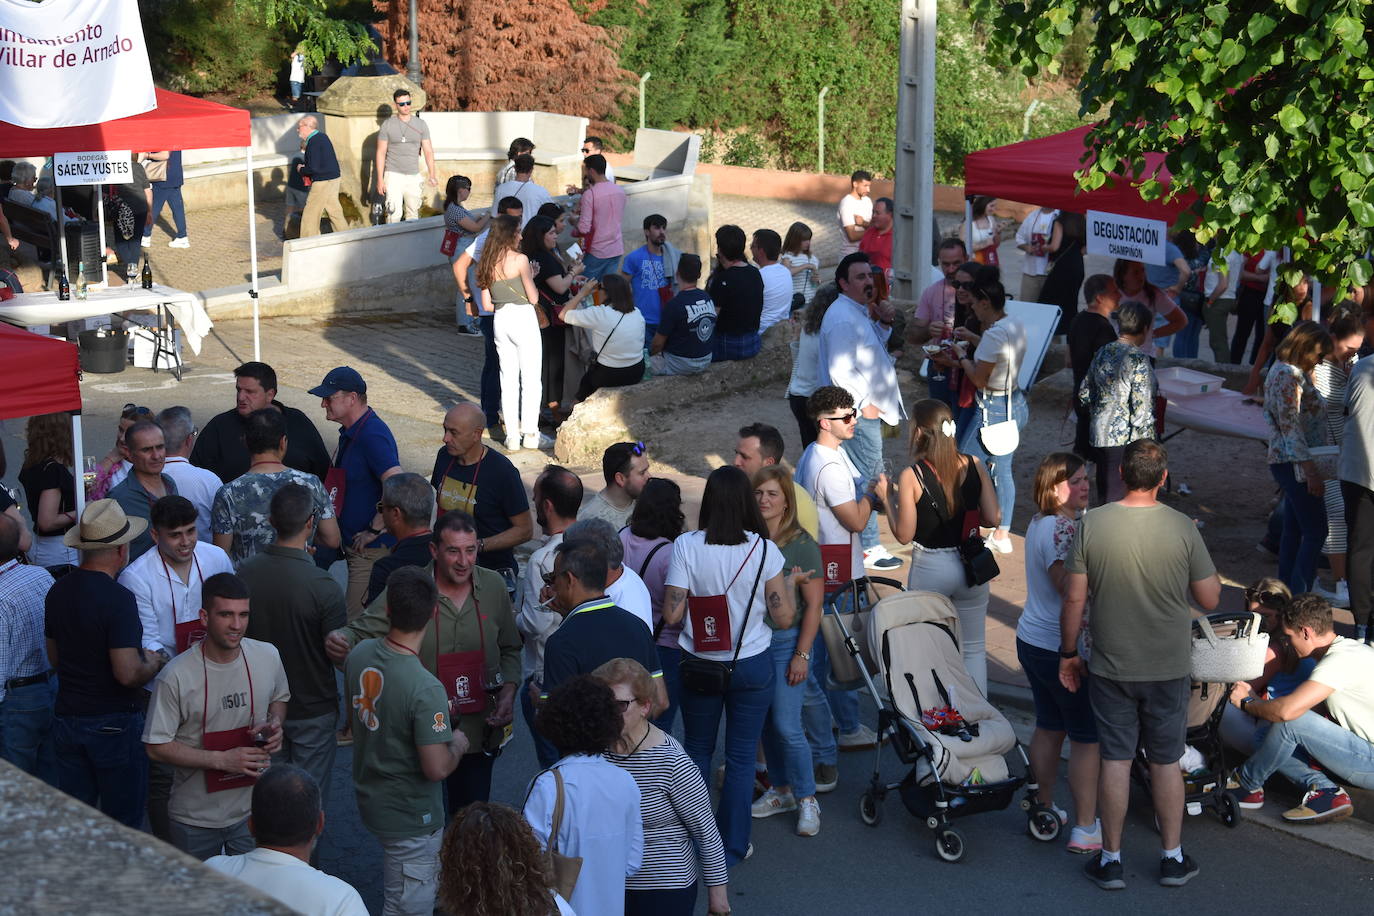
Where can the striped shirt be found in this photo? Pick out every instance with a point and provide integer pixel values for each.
(1330, 379)
(23, 651)
(676, 809)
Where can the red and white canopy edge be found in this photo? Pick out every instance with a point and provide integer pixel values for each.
(41, 375)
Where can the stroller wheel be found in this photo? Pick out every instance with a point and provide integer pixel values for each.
(933, 822)
(1043, 824)
(949, 845)
(870, 812)
(1228, 810)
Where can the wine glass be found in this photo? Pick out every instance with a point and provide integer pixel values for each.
(131, 271)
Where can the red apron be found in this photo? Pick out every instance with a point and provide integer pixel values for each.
(335, 480)
(838, 562)
(228, 739)
(463, 674)
(710, 615)
(187, 632)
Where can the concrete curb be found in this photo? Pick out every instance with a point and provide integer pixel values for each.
(1353, 836)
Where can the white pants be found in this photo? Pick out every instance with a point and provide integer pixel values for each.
(521, 350)
(403, 196)
(941, 571)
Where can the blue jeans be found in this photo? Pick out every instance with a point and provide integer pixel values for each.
(744, 705)
(543, 747)
(668, 659)
(678, 901)
(26, 725)
(1304, 530)
(171, 196)
(866, 451)
(784, 740)
(649, 331)
(999, 466)
(296, 89)
(1186, 340)
(940, 390)
(823, 707)
(1341, 752)
(101, 761)
(491, 372)
(594, 268)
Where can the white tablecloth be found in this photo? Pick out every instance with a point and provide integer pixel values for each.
(1222, 412)
(27, 309)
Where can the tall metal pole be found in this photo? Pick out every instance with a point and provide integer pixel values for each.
(642, 80)
(820, 130)
(413, 67)
(915, 178)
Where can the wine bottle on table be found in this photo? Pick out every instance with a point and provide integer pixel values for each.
(147, 274)
(81, 280)
(64, 289)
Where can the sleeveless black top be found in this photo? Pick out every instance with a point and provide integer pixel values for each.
(935, 527)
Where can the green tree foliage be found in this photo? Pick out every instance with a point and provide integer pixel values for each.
(1264, 108)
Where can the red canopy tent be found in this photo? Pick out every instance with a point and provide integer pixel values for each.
(38, 374)
(179, 122)
(1042, 172)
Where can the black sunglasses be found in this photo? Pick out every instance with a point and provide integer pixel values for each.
(135, 410)
(844, 417)
(624, 704)
(403, 104)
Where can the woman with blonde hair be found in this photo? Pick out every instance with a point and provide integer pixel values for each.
(1295, 413)
(50, 486)
(791, 776)
(1061, 495)
(933, 505)
(681, 839)
(491, 865)
(508, 291)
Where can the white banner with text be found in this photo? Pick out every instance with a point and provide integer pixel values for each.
(67, 63)
(1128, 237)
(100, 167)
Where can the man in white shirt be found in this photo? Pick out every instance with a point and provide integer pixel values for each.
(286, 822)
(625, 468)
(1343, 739)
(835, 484)
(766, 248)
(196, 484)
(853, 356)
(1033, 238)
(523, 188)
(855, 211)
(557, 495)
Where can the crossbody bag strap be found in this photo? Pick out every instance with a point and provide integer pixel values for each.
(557, 812)
(608, 338)
(749, 608)
(658, 627)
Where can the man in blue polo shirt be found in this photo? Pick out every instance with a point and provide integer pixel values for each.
(593, 630)
(365, 457)
(686, 332)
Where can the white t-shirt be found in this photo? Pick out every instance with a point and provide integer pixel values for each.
(286, 878)
(1038, 223)
(777, 295)
(1003, 344)
(617, 337)
(849, 208)
(832, 480)
(1234, 261)
(706, 569)
(631, 594)
(1348, 669)
(1048, 540)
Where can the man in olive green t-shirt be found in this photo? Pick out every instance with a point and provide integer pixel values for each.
(403, 745)
(1141, 561)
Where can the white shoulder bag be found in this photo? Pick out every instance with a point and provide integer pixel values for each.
(1001, 438)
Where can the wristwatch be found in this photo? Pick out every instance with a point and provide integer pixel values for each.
(800, 654)
(1073, 653)
(371, 530)
(1246, 702)
(479, 545)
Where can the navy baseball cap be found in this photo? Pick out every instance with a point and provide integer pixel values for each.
(342, 378)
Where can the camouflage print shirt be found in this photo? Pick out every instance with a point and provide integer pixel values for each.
(241, 508)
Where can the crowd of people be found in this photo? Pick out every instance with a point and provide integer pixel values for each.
(631, 632)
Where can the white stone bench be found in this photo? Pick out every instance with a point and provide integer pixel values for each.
(661, 154)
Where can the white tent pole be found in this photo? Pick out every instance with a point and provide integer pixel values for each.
(78, 458)
(968, 225)
(62, 233)
(253, 253)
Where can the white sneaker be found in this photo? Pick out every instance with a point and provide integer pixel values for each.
(146, 241)
(809, 821)
(1337, 597)
(1000, 545)
(773, 802)
(859, 739)
(511, 445)
(182, 242)
(538, 441)
(878, 557)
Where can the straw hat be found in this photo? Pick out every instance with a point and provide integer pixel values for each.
(103, 525)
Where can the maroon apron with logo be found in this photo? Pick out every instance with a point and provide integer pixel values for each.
(710, 616)
(335, 480)
(227, 739)
(838, 562)
(463, 674)
(187, 632)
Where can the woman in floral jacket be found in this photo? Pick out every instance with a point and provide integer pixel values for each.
(1295, 413)
(1119, 394)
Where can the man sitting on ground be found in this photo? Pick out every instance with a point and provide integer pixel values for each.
(1344, 743)
(684, 339)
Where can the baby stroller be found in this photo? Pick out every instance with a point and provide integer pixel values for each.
(937, 722)
(1204, 785)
